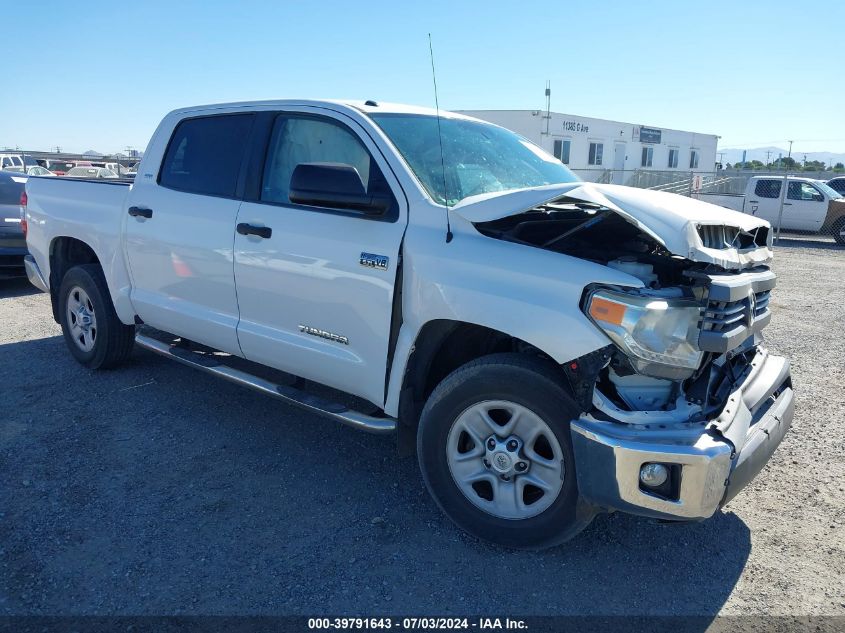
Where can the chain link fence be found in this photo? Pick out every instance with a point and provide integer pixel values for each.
(811, 207)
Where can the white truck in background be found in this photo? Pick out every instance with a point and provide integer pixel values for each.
(809, 205)
(549, 348)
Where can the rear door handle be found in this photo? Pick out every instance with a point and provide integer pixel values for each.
(260, 231)
(787, 204)
(140, 212)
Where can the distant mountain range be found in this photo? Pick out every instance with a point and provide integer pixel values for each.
(759, 153)
(92, 154)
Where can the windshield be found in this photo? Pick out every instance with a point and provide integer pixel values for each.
(478, 158)
(830, 191)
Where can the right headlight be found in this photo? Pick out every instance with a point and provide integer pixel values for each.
(658, 335)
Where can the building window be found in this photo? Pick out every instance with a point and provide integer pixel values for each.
(561, 150)
(693, 159)
(673, 158)
(596, 151)
(648, 156)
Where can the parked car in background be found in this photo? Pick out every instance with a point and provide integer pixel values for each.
(837, 184)
(91, 172)
(12, 240)
(810, 205)
(16, 162)
(38, 170)
(58, 167)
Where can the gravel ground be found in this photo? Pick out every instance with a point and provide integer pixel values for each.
(154, 489)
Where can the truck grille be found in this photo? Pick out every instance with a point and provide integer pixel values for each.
(720, 237)
(721, 316)
(737, 307)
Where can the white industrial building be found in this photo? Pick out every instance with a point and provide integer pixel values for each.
(609, 151)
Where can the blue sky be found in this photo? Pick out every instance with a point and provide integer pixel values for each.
(100, 75)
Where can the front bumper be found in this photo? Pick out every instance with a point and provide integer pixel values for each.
(712, 461)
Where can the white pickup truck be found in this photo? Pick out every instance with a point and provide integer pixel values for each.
(809, 205)
(550, 348)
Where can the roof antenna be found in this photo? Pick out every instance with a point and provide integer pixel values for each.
(440, 137)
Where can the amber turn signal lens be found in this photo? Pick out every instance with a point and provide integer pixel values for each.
(607, 311)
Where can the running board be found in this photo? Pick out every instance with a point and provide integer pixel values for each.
(291, 395)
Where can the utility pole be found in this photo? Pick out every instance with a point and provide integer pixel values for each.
(548, 105)
(789, 155)
(768, 153)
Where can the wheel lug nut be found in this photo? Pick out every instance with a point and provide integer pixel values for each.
(512, 445)
(487, 463)
(491, 443)
(521, 465)
(506, 478)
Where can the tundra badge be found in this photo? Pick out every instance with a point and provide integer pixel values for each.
(370, 260)
(329, 336)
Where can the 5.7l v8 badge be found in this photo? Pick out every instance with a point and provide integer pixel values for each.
(371, 260)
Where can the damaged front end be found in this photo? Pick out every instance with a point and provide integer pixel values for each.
(685, 406)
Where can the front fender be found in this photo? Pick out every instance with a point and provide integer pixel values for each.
(528, 293)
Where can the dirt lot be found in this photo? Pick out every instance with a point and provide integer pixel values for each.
(155, 489)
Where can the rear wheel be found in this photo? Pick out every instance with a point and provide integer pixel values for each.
(495, 452)
(92, 331)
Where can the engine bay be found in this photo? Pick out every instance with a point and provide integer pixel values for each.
(595, 233)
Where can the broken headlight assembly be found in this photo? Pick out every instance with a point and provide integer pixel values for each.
(658, 334)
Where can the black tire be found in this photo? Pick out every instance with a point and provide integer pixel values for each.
(527, 381)
(112, 340)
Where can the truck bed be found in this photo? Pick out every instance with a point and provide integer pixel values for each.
(735, 201)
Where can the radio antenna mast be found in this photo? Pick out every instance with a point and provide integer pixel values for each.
(440, 138)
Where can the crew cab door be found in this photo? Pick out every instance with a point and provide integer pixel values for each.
(179, 228)
(316, 284)
(805, 207)
(763, 200)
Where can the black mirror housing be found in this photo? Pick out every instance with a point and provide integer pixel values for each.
(336, 186)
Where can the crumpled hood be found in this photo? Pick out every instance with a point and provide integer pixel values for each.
(671, 219)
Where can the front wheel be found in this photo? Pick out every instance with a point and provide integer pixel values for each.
(839, 231)
(92, 331)
(495, 452)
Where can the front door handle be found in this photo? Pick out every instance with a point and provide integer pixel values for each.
(260, 231)
(787, 204)
(140, 212)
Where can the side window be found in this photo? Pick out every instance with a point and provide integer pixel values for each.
(561, 150)
(673, 158)
(204, 155)
(767, 189)
(596, 151)
(6, 163)
(301, 139)
(693, 159)
(803, 191)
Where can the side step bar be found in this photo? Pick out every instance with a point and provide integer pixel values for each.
(288, 394)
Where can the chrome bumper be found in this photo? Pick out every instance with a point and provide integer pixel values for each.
(34, 274)
(714, 460)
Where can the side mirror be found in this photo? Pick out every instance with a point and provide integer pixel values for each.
(818, 197)
(336, 186)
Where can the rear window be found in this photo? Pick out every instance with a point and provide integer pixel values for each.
(767, 189)
(204, 155)
(10, 191)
